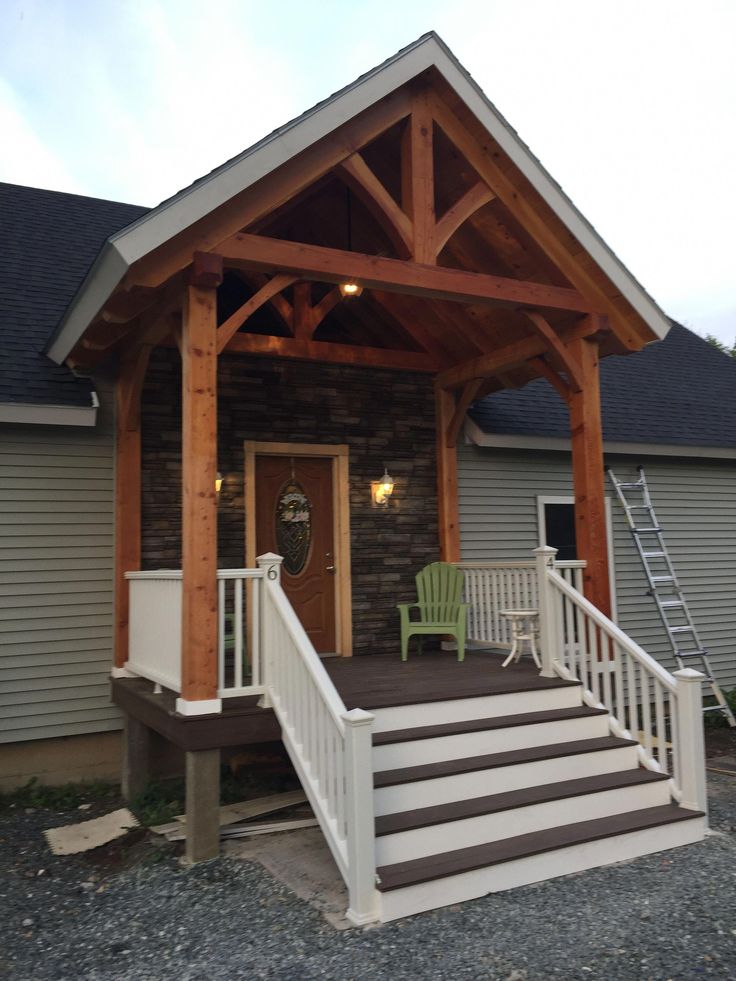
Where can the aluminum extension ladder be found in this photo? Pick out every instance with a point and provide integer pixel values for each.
(663, 585)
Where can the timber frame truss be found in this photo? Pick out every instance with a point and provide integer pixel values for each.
(556, 326)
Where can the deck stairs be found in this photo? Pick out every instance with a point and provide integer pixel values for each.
(480, 794)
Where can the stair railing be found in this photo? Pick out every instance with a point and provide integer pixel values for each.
(662, 711)
(330, 747)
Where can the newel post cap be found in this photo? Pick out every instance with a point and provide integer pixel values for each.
(358, 717)
(689, 675)
(269, 558)
(545, 550)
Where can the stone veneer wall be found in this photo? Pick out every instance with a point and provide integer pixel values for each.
(383, 416)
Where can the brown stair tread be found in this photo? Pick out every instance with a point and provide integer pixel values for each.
(420, 870)
(446, 768)
(423, 817)
(481, 725)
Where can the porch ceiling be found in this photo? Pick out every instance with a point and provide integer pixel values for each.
(415, 200)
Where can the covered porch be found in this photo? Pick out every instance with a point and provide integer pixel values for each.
(330, 304)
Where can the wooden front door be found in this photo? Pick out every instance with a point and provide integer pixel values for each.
(294, 504)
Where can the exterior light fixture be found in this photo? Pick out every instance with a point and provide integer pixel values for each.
(218, 482)
(350, 289)
(381, 490)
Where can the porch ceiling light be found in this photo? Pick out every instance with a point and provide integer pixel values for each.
(350, 289)
(218, 482)
(381, 490)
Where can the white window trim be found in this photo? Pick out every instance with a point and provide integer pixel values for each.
(544, 499)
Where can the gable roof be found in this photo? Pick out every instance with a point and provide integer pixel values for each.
(48, 240)
(679, 392)
(192, 204)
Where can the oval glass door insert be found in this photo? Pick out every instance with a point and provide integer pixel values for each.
(293, 526)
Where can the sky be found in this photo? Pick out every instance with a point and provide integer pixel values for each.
(630, 104)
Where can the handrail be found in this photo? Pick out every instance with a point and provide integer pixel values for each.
(530, 564)
(331, 748)
(660, 710)
(613, 631)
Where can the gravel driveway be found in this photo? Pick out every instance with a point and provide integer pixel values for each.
(671, 915)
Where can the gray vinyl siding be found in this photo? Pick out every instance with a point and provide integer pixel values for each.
(56, 578)
(696, 507)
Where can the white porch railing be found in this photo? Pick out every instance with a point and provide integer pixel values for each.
(155, 629)
(494, 586)
(329, 747)
(662, 711)
(263, 649)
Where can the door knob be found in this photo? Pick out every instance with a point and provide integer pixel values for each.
(330, 568)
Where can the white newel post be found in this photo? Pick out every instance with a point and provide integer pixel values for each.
(545, 556)
(363, 898)
(691, 739)
(271, 564)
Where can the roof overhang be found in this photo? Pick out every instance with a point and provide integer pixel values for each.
(506, 441)
(29, 413)
(189, 206)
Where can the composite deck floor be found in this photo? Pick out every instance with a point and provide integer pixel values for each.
(383, 680)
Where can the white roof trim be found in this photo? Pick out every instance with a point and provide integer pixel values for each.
(190, 205)
(50, 415)
(504, 441)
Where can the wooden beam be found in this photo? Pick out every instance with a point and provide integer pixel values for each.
(127, 496)
(363, 182)
(536, 224)
(266, 345)
(447, 494)
(555, 380)
(465, 399)
(328, 303)
(588, 477)
(507, 357)
(399, 307)
(302, 327)
(417, 178)
(199, 500)
(395, 275)
(455, 216)
(557, 348)
(236, 320)
(270, 192)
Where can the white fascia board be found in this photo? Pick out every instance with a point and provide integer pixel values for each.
(211, 192)
(50, 415)
(503, 441)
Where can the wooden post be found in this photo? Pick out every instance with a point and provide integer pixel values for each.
(136, 757)
(545, 559)
(199, 667)
(127, 497)
(202, 805)
(363, 897)
(690, 739)
(447, 505)
(588, 475)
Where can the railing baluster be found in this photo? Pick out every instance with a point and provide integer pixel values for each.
(661, 731)
(238, 631)
(646, 711)
(222, 681)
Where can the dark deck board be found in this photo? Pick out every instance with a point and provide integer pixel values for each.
(385, 681)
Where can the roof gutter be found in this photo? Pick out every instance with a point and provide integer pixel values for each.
(555, 444)
(28, 413)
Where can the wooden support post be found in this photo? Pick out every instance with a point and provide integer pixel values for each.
(447, 506)
(136, 757)
(127, 496)
(202, 805)
(588, 475)
(199, 502)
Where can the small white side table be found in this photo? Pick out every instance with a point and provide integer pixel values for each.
(524, 629)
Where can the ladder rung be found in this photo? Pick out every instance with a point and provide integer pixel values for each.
(681, 630)
(654, 555)
(639, 507)
(690, 654)
(638, 484)
(671, 604)
(646, 531)
(715, 708)
(663, 578)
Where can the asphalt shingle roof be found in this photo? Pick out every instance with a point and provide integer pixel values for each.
(48, 241)
(679, 391)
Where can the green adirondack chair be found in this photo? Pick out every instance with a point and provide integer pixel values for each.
(439, 588)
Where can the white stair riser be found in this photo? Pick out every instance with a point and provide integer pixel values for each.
(537, 868)
(420, 842)
(482, 707)
(464, 745)
(499, 780)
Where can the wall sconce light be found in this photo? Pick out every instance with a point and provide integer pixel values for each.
(350, 289)
(381, 490)
(218, 482)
